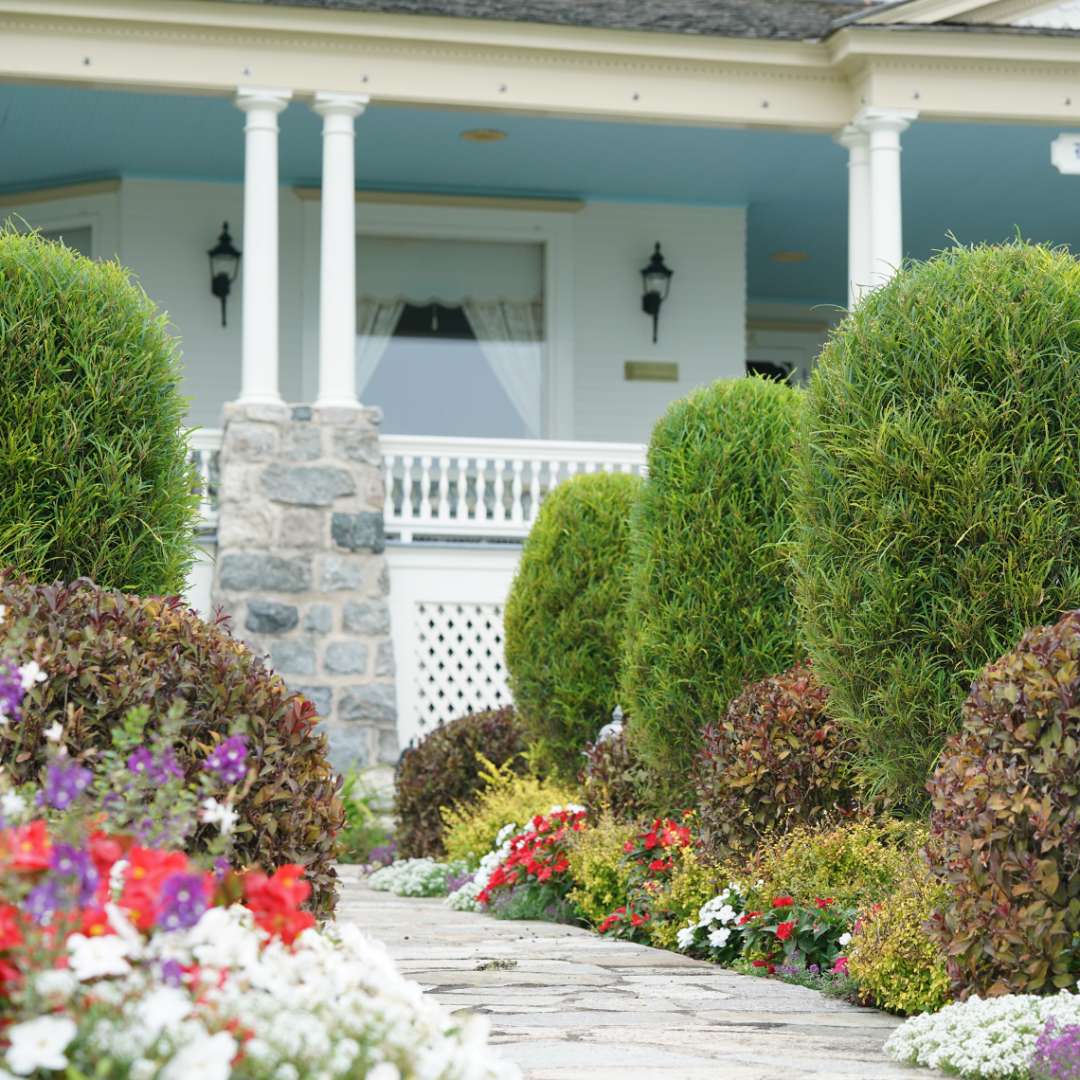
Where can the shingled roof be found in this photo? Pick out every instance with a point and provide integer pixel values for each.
(793, 20)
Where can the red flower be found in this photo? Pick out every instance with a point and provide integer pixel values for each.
(782, 901)
(783, 931)
(10, 929)
(745, 918)
(840, 967)
(638, 920)
(823, 904)
(95, 923)
(658, 866)
(651, 841)
(275, 901)
(28, 846)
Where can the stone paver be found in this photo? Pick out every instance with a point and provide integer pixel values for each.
(568, 1005)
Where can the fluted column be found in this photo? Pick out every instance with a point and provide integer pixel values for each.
(884, 128)
(259, 329)
(857, 143)
(337, 266)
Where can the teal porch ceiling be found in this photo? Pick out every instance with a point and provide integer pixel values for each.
(981, 182)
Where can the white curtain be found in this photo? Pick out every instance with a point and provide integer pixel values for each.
(376, 321)
(510, 334)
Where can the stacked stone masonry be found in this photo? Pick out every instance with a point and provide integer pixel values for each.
(300, 565)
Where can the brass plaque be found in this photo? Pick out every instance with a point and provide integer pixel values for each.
(650, 371)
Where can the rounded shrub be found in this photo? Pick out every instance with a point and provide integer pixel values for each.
(613, 780)
(775, 760)
(938, 494)
(1006, 821)
(106, 652)
(892, 958)
(565, 616)
(709, 607)
(444, 769)
(94, 477)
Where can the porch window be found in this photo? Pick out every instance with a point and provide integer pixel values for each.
(451, 336)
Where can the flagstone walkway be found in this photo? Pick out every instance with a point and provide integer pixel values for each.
(568, 1005)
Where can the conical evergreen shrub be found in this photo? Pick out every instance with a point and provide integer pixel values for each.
(94, 479)
(709, 607)
(938, 501)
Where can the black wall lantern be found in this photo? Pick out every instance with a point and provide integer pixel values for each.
(656, 284)
(224, 266)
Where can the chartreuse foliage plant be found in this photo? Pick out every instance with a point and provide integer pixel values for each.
(857, 864)
(1006, 818)
(938, 494)
(599, 868)
(893, 960)
(566, 615)
(443, 769)
(709, 606)
(94, 478)
(774, 760)
(505, 798)
(104, 653)
(692, 882)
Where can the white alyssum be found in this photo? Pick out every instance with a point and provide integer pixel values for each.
(982, 1038)
(40, 1044)
(95, 957)
(415, 877)
(464, 899)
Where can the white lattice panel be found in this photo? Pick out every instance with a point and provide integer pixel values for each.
(460, 667)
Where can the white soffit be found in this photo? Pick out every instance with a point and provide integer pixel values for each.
(1061, 16)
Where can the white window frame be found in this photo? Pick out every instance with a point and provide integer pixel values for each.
(553, 231)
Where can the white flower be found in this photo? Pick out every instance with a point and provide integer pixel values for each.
(685, 937)
(31, 673)
(94, 957)
(55, 984)
(220, 814)
(12, 805)
(384, 1071)
(162, 1010)
(718, 938)
(40, 1044)
(56, 732)
(844, 939)
(208, 1058)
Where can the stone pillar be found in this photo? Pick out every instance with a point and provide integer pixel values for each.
(300, 565)
(884, 127)
(337, 259)
(259, 327)
(857, 143)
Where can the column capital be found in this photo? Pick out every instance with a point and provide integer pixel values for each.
(327, 103)
(852, 137)
(249, 98)
(872, 118)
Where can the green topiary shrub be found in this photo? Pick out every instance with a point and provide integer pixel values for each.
(94, 478)
(566, 615)
(892, 958)
(1006, 821)
(106, 652)
(939, 494)
(443, 769)
(775, 760)
(709, 606)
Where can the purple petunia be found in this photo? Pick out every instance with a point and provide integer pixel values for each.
(75, 863)
(229, 759)
(183, 901)
(11, 692)
(172, 974)
(64, 783)
(42, 900)
(1057, 1052)
(157, 769)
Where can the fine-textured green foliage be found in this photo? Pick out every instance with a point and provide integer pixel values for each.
(505, 798)
(94, 478)
(858, 864)
(443, 769)
(775, 760)
(709, 608)
(566, 615)
(1006, 816)
(364, 828)
(895, 963)
(939, 495)
(105, 653)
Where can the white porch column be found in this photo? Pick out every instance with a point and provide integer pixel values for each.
(259, 327)
(857, 143)
(884, 127)
(337, 267)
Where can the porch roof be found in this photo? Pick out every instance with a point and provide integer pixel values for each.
(800, 20)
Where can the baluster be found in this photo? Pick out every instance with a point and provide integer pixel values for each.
(590, 467)
(407, 510)
(444, 488)
(500, 479)
(461, 504)
(425, 488)
(516, 510)
(480, 511)
(534, 488)
(389, 468)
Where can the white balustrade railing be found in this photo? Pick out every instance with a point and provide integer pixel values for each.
(484, 488)
(452, 488)
(205, 449)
